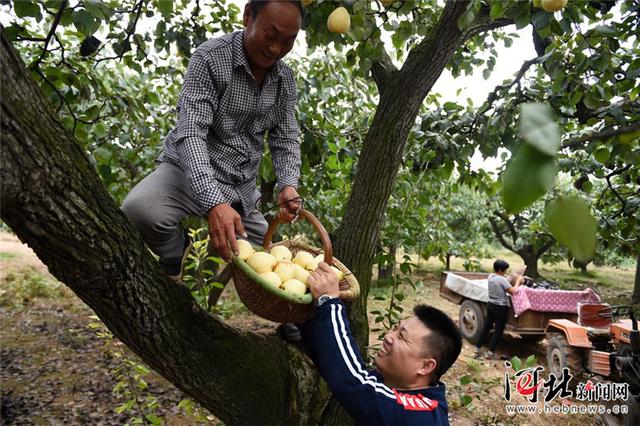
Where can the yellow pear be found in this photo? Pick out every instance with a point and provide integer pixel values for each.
(295, 287)
(339, 21)
(302, 258)
(244, 249)
(281, 253)
(261, 262)
(299, 273)
(311, 266)
(284, 269)
(338, 272)
(272, 278)
(553, 5)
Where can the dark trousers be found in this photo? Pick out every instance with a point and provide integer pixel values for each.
(495, 314)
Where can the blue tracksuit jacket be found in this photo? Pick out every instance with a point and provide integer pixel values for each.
(328, 340)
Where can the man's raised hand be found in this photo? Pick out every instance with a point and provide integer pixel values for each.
(323, 281)
(289, 202)
(224, 224)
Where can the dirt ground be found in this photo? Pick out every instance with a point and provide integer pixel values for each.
(56, 368)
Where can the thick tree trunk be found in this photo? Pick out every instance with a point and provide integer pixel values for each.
(54, 201)
(384, 144)
(580, 265)
(636, 284)
(530, 258)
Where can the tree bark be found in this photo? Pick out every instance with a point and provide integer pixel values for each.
(580, 265)
(54, 201)
(381, 155)
(530, 258)
(636, 284)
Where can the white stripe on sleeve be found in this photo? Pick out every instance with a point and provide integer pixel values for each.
(342, 340)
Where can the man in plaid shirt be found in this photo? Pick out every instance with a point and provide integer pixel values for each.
(236, 92)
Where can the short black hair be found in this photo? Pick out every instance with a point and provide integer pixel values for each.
(500, 265)
(444, 341)
(257, 5)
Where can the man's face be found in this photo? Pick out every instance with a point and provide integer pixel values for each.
(269, 36)
(402, 358)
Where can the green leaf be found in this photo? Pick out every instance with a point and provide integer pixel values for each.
(466, 19)
(85, 22)
(530, 361)
(572, 225)
(25, 8)
(528, 176)
(516, 363)
(465, 380)
(497, 10)
(538, 128)
(465, 399)
(155, 420)
(602, 155)
(165, 7)
(575, 98)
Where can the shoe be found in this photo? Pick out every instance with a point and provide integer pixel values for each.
(477, 353)
(174, 270)
(505, 357)
(289, 332)
(490, 355)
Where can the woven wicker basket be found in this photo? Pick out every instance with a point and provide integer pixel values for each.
(276, 305)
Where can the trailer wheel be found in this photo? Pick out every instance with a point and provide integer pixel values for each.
(471, 320)
(561, 354)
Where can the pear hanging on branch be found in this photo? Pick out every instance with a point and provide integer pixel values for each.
(339, 21)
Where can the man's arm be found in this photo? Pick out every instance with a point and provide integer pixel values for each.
(337, 357)
(285, 149)
(512, 290)
(197, 106)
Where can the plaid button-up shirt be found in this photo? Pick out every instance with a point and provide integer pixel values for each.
(223, 117)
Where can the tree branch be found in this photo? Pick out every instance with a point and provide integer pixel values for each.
(498, 233)
(546, 246)
(383, 71)
(52, 31)
(445, 38)
(510, 226)
(610, 185)
(131, 29)
(494, 95)
(604, 134)
(481, 27)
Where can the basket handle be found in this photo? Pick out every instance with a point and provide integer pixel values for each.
(309, 217)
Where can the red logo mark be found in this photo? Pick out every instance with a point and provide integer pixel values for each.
(415, 402)
(523, 385)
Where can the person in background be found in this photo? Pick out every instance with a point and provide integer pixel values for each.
(406, 388)
(497, 307)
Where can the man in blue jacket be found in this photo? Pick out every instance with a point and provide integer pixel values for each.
(406, 388)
